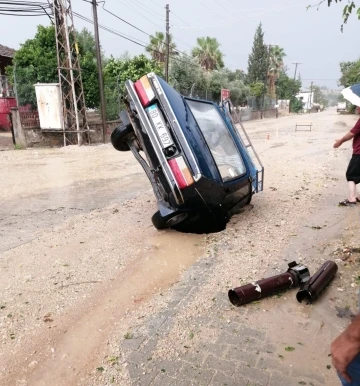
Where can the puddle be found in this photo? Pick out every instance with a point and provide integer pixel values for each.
(77, 350)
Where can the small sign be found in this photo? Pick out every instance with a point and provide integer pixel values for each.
(225, 94)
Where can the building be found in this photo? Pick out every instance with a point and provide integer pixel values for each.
(6, 58)
(7, 100)
(307, 98)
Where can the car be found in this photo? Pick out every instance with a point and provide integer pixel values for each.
(198, 164)
(341, 107)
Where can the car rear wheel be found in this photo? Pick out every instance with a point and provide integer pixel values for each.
(168, 221)
(119, 137)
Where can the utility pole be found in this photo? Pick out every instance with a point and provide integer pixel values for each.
(15, 87)
(99, 66)
(266, 78)
(311, 88)
(167, 43)
(69, 71)
(296, 66)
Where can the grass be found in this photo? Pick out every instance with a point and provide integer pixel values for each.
(128, 335)
(289, 348)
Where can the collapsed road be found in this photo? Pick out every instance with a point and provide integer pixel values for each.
(92, 294)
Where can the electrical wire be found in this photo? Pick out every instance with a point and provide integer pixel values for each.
(288, 4)
(123, 20)
(120, 34)
(147, 9)
(139, 13)
(137, 28)
(131, 39)
(23, 8)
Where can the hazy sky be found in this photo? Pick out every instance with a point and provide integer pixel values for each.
(311, 37)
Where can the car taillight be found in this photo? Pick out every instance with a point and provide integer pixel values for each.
(144, 90)
(181, 172)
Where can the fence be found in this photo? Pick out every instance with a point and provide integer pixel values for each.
(29, 119)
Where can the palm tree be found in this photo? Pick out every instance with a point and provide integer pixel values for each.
(157, 47)
(208, 53)
(276, 63)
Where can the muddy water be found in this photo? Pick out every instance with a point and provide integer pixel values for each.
(76, 352)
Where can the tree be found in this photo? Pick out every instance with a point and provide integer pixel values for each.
(350, 73)
(157, 47)
(36, 62)
(238, 92)
(347, 10)
(86, 42)
(276, 63)
(208, 53)
(89, 71)
(186, 74)
(117, 71)
(286, 86)
(257, 89)
(217, 81)
(319, 96)
(258, 62)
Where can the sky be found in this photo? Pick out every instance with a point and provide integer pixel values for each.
(312, 37)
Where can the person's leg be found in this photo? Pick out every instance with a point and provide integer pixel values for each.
(352, 191)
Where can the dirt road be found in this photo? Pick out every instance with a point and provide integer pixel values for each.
(86, 278)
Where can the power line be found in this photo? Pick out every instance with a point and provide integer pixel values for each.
(157, 4)
(132, 39)
(123, 20)
(124, 36)
(240, 19)
(179, 18)
(139, 13)
(134, 26)
(23, 8)
(147, 9)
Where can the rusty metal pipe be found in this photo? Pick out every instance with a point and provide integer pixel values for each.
(295, 275)
(312, 289)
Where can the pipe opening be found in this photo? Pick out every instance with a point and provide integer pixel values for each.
(234, 298)
(304, 295)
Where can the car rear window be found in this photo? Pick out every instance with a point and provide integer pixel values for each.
(218, 138)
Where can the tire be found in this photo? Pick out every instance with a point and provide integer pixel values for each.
(248, 200)
(171, 220)
(119, 137)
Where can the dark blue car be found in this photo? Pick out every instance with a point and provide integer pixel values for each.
(197, 162)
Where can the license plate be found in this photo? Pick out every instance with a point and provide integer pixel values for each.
(159, 124)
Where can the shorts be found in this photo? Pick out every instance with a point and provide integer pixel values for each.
(353, 170)
(354, 371)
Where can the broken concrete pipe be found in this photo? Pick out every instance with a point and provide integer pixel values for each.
(296, 275)
(317, 283)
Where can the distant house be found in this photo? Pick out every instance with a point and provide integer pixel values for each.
(6, 59)
(307, 98)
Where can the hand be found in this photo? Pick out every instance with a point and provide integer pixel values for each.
(337, 143)
(343, 350)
